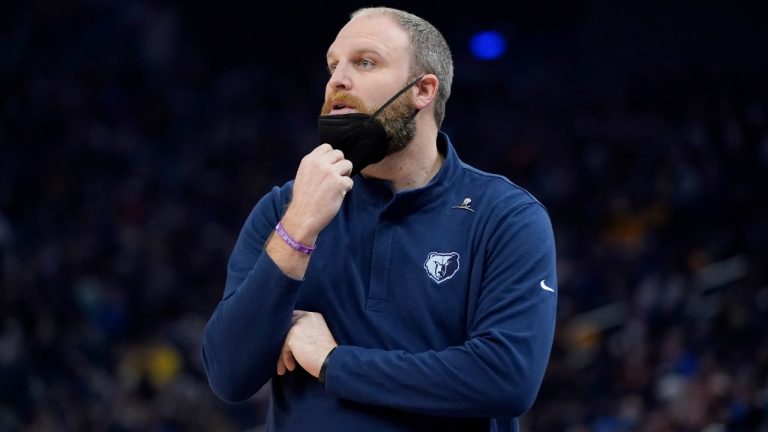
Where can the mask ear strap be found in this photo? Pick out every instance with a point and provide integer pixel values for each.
(397, 95)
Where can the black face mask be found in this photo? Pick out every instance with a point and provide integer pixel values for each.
(361, 137)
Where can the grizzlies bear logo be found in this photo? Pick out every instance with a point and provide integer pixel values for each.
(442, 266)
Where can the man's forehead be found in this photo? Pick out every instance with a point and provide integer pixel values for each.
(376, 34)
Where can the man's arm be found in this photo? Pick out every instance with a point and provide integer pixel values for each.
(247, 326)
(243, 338)
(498, 370)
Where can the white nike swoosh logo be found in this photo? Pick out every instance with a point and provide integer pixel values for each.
(545, 287)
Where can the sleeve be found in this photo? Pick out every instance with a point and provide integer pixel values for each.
(244, 336)
(497, 372)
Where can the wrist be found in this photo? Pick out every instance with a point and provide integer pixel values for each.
(324, 366)
(292, 242)
(298, 229)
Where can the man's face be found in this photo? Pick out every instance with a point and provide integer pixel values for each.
(369, 62)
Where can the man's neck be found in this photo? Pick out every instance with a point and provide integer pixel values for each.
(412, 167)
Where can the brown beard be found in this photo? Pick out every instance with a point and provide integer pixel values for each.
(398, 119)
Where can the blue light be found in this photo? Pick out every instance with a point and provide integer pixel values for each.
(488, 45)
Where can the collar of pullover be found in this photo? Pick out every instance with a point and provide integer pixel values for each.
(394, 205)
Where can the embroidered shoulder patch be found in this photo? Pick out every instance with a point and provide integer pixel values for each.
(441, 266)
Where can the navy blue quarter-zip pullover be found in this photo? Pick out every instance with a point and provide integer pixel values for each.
(442, 299)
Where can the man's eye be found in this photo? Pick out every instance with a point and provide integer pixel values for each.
(365, 63)
(331, 68)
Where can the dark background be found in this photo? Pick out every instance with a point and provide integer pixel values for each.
(136, 136)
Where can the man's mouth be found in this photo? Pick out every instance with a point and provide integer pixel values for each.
(338, 108)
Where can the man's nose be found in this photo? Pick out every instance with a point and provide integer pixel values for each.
(340, 79)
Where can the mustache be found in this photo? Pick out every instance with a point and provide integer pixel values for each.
(349, 100)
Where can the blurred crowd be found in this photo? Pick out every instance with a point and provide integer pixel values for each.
(135, 137)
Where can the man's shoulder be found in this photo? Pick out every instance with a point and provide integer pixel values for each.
(281, 193)
(274, 202)
(498, 188)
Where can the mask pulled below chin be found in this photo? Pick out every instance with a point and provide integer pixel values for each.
(361, 138)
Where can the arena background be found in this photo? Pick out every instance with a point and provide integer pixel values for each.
(135, 137)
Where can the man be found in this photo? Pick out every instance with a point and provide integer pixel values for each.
(429, 301)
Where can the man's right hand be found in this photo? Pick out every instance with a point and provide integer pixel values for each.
(321, 183)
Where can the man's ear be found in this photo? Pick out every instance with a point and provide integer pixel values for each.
(426, 91)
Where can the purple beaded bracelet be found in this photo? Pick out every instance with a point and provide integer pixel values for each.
(307, 250)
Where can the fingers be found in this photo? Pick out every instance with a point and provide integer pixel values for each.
(343, 167)
(335, 157)
(286, 361)
(348, 184)
(326, 156)
(321, 149)
(327, 153)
